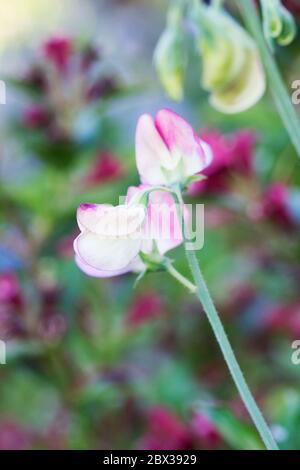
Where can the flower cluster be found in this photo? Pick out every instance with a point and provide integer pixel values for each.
(67, 82)
(135, 235)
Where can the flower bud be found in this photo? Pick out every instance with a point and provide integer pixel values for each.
(170, 57)
(278, 23)
(289, 31)
(231, 67)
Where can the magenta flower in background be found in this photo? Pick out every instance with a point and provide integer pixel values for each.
(105, 167)
(58, 50)
(35, 116)
(144, 308)
(274, 207)
(10, 291)
(283, 318)
(168, 150)
(13, 436)
(205, 431)
(164, 431)
(232, 154)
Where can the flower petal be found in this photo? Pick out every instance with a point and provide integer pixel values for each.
(110, 221)
(93, 272)
(151, 151)
(89, 214)
(245, 91)
(175, 131)
(181, 140)
(106, 254)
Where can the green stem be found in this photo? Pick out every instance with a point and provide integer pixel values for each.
(180, 278)
(220, 334)
(282, 99)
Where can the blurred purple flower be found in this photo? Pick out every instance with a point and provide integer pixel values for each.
(283, 318)
(164, 431)
(10, 291)
(102, 87)
(104, 168)
(274, 206)
(231, 154)
(35, 117)
(205, 431)
(145, 307)
(58, 50)
(13, 436)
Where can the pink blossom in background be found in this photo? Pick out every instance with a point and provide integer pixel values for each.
(13, 436)
(35, 116)
(164, 431)
(105, 167)
(283, 318)
(205, 431)
(10, 290)
(274, 206)
(232, 153)
(58, 50)
(145, 307)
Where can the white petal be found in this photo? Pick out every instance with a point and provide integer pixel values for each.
(88, 215)
(107, 254)
(245, 93)
(93, 272)
(151, 152)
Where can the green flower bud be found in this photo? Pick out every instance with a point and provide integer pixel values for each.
(278, 23)
(169, 60)
(231, 67)
(170, 54)
(289, 30)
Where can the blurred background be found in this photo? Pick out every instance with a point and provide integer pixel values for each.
(97, 364)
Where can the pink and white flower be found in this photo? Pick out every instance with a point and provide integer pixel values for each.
(111, 237)
(168, 150)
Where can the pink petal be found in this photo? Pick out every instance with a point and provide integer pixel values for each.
(178, 134)
(88, 215)
(151, 151)
(175, 131)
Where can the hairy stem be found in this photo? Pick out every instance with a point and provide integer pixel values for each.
(220, 334)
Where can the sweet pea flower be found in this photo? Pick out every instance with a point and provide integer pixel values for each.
(168, 151)
(112, 238)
